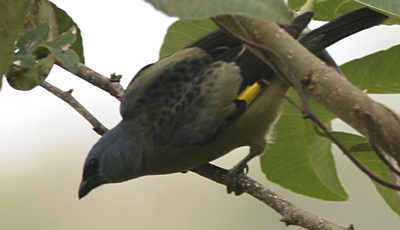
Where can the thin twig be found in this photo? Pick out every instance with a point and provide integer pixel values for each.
(69, 99)
(110, 85)
(350, 156)
(291, 214)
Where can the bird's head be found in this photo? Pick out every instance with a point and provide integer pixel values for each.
(116, 157)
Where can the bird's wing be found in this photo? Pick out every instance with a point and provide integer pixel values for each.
(182, 99)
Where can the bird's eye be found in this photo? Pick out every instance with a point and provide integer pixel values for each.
(94, 164)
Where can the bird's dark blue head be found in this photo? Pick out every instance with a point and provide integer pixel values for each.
(116, 157)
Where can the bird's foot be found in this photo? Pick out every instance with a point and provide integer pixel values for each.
(232, 181)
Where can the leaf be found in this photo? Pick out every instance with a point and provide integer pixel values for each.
(12, 18)
(61, 49)
(32, 63)
(391, 6)
(388, 8)
(184, 32)
(40, 46)
(374, 164)
(377, 73)
(65, 22)
(274, 10)
(331, 9)
(26, 78)
(301, 160)
(69, 59)
(65, 39)
(34, 37)
(41, 13)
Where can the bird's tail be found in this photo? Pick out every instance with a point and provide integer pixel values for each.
(340, 28)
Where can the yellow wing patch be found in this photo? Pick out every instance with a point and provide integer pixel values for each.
(250, 93)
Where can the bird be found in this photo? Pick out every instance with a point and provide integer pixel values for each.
(202, 102)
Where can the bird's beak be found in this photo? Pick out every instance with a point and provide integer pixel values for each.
(86, 186)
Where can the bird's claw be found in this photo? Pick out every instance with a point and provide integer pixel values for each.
(232, 182)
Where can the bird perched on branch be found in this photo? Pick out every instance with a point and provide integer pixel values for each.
(202, 102)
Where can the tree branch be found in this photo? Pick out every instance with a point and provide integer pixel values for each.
(110, 85)
(291, 214)
(69, 99)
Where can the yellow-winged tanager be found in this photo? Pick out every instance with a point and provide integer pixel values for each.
(200, 103)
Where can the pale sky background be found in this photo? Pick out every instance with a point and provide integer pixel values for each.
(44, 144)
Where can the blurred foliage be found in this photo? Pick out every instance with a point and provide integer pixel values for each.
(65, 22)
(30, 67)
(12, 15)
(39, 45)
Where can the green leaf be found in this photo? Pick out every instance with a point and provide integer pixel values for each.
(373, 163)
(391, 6)
(274, 10)
(389, 9)
(377, 73)
(65, 39)
(300, 159)
(35, 57)
(33, 38)
(65, 22)
(61, 49)
(12, 18)
(32, 63)
(183, 32)
(40, 13)
(331, 9)
(69, 59)
(27, 77)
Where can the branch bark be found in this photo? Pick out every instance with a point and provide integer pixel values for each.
(69, 99)
(110, 85)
